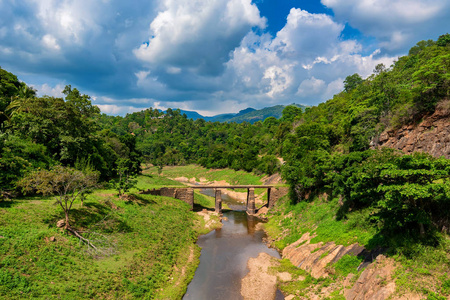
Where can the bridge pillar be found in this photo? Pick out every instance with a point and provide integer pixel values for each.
(269, 201)
(190, 197)
(218, 206)
(251, 201)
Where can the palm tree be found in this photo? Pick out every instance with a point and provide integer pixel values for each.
(20, 103)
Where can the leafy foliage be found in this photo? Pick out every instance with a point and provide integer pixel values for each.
(66, 183)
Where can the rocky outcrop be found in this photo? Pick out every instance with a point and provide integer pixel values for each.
(315, 258)
(375, 281)
(431, 135)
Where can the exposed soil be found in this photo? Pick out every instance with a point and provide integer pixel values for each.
(210, 223)
(258, 284)
(183, 269)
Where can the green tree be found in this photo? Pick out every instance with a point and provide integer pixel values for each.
(65, 183)
(126, 179)
(352, 81)
(443, 40)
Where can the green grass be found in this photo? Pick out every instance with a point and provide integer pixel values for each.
(425, 269)
(143, 245)
(302, 280)
(155, 181)
(194, 171)
(198, 172)
(346, 265)
(318, 216)
(422, 269)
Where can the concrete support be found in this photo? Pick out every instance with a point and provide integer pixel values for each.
(218, 205)
(251, 222)
(251, 201)
(269, 200)
(190, 197)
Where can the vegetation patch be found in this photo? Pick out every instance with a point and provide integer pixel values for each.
(143, 245)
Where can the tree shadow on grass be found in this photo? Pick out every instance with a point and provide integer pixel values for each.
(147, 175)
(139, 199)
(92, 217)
(7, 203)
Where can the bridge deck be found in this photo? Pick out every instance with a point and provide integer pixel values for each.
(232, 186)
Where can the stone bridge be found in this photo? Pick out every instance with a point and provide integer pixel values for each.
(187, 194)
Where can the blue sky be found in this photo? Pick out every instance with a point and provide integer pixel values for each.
(208, 56)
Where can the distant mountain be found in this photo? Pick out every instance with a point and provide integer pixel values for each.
(250, 115)
(262, 114)
(192, 114)
(228, 117)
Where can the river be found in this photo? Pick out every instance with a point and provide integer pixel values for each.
(224, 255)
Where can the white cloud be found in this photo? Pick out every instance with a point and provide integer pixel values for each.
(397, 24)
(279, 79)
(304, 63)
(71, 21)
(50, 42)
(113, 109)
(207, 55)
(311, 86)
(199, 34)
(48, 90)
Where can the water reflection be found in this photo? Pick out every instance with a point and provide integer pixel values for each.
(224, 256)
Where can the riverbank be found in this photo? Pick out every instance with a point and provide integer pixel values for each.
(344, 259)
(145, 246)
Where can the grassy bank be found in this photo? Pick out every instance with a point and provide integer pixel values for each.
(146, 247)
(198, 172)
(421, 268)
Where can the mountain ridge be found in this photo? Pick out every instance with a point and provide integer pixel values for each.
(249, 114)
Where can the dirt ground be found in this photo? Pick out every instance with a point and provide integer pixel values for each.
(258, 284)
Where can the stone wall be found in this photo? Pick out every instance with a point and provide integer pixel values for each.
(184, 194)
(276, 194)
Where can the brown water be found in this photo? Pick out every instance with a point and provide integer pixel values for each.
(224, 256)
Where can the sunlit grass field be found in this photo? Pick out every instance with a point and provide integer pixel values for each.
(146, 246)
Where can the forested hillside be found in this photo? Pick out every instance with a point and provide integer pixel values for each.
(41, 132)
(326, 147)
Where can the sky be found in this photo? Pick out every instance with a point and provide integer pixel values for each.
(209, 56)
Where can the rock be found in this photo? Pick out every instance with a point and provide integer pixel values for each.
(258, 284)
(432, 135)
(375, 281)
(315, 258)
(284, 276)
(52, 239)
(262, 211)
(290, 297)
(348, 280)
(61, 223)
